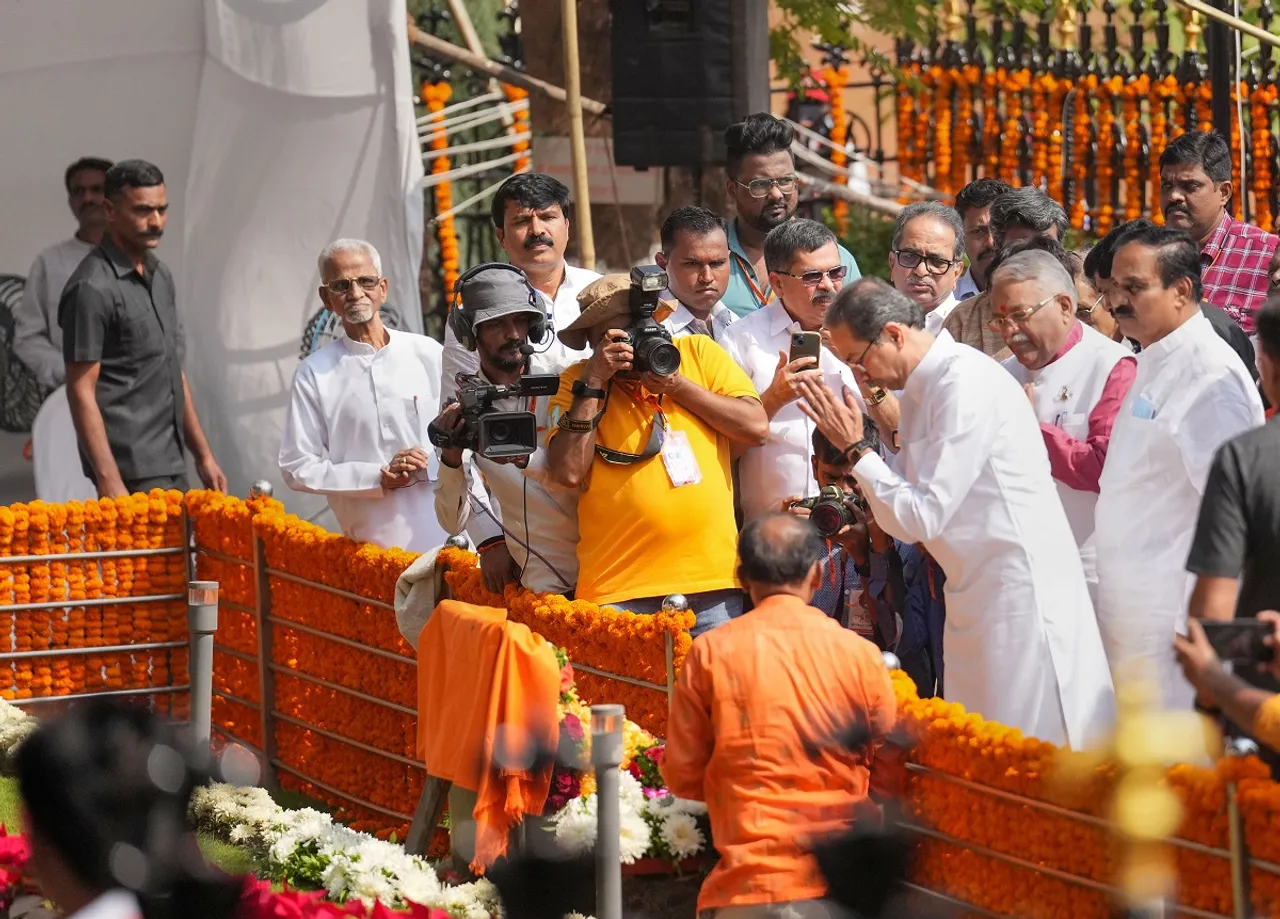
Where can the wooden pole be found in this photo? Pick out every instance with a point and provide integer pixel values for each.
(481, 64)
(577, 137)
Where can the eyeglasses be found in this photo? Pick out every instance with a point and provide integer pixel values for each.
(1019, 316)
(814, 278)
(343, 285)
(1086, 312)
(760, 188)
(867, 350)
(934, 264)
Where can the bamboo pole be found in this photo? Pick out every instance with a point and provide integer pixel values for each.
(471, 38)
(1227, 19)
(481, 64)
(577, 138)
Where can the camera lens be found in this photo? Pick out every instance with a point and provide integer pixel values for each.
(828, 518)
(658, 356)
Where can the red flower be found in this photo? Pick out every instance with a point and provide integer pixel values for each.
(566, 678)
(573, 728)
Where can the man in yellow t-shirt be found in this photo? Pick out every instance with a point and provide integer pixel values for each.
(650, 455)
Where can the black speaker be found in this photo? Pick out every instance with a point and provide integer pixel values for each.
(683, 71)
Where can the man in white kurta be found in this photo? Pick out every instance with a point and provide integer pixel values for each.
(1075, 377)
(781, 469)
(972, 483)
(357, 421)
(1191, 394)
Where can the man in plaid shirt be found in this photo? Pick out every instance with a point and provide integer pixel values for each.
(1195, 189)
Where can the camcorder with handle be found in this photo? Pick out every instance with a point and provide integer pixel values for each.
(489, 433)
(654, 352)
(831, 510)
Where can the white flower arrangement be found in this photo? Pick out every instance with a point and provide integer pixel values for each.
(15, 726)
(306, 849)
(658, 827)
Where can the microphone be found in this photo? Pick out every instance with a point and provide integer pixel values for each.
(526, 349)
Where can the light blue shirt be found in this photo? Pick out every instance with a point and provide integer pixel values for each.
(741, 296)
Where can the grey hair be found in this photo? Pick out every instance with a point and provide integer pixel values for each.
(1028, 207)
(939, 212)
(867, 305)
(787, 239)
(349, 245)
(1048, 273)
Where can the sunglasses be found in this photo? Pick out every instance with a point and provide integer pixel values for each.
(814, 278)
(759, 188)
(934, 264)
(343, 285)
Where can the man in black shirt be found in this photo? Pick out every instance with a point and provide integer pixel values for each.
(1236, 551)
(123, 343)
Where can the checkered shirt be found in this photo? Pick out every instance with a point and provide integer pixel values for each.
(1236, 260)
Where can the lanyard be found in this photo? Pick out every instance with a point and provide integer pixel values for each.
(657, 429)
(763, 298)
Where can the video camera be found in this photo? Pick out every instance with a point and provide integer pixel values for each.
(654, 352)
(494, 435)
(831, 510)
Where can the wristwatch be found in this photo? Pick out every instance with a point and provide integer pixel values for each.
(580, 388)
(856, 451)
(878, 395)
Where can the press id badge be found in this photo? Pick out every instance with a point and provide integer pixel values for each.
(677, 456)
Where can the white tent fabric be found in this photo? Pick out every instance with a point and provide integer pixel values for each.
(280, 125)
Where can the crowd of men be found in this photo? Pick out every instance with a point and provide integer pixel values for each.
(1047, 459)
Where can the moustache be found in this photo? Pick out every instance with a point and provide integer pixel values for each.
(1124, 312)
(1018, 339)
(153, 234)
(1176, 209)
(539, 240)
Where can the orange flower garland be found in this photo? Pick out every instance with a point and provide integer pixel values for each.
(1081, 160)
(1163, 92)
(1017, 82)
(908, 141)
(836, 79)
(1103, 213)
(519, 125)
(436, 95)
(1260, 102)
(1134, 183)
(991, 81)
(942, 81)
(962, 147)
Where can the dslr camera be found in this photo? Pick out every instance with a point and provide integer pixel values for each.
(654, 352)
(831, 510)
(488, 433)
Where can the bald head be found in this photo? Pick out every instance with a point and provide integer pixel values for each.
(779, 553)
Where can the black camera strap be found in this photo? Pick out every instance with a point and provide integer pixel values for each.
(657, 435)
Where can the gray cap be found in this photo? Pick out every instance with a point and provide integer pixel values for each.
(497, 290)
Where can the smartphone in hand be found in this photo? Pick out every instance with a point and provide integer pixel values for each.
(805, 344)
(1241, 641)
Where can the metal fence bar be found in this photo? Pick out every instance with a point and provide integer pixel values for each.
(346, 796)
(348, 740)
(145, 691)
(284, 575)
(1098, 822)
(96, 649)
(281, 668)
(329, 636)
(266, 679)
(101, 601)
(617, 676)
(237, 607)
(239, 700)
(221, 557)
(219, 729)
(232, 652)
(86, 556)
(671, 666)
(1109, 890)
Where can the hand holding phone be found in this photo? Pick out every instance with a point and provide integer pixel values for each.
(1241, 641)
(805, 344)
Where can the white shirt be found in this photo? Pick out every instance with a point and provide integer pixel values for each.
(116, 903)
(966, 287)
(1020, 645)
(719, 319)
(1191, 394)
(934, 319)
(37, 337)
(465, 500)
(560, 312)
(352, 409)
(781, 467)
(55, 456)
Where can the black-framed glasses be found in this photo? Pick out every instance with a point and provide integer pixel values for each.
(343, 285)
(867, 350)
(1019, 316)
(934, 264)
(814, 278)
(760, 188)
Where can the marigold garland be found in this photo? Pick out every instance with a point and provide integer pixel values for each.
(943, 82)
(1103, 211)
(909, 158)
(836, 78)
(1016, 84)
(519, 125)
(436, 96)
(991, 81)
(962, 147)
(1163, 93)
(1261, 100)
(1082, 146)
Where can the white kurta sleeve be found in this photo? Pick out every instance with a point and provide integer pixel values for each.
(1222, 412)
(304, 450)
(947, 464)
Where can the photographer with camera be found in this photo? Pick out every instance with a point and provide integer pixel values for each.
(488, 440)
(887, 591)
(642, 428)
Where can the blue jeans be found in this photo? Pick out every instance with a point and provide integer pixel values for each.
(713, 607)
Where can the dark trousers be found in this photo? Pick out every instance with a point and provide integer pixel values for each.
(164, 482)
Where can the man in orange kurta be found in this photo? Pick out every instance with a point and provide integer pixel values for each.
(757, 724)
